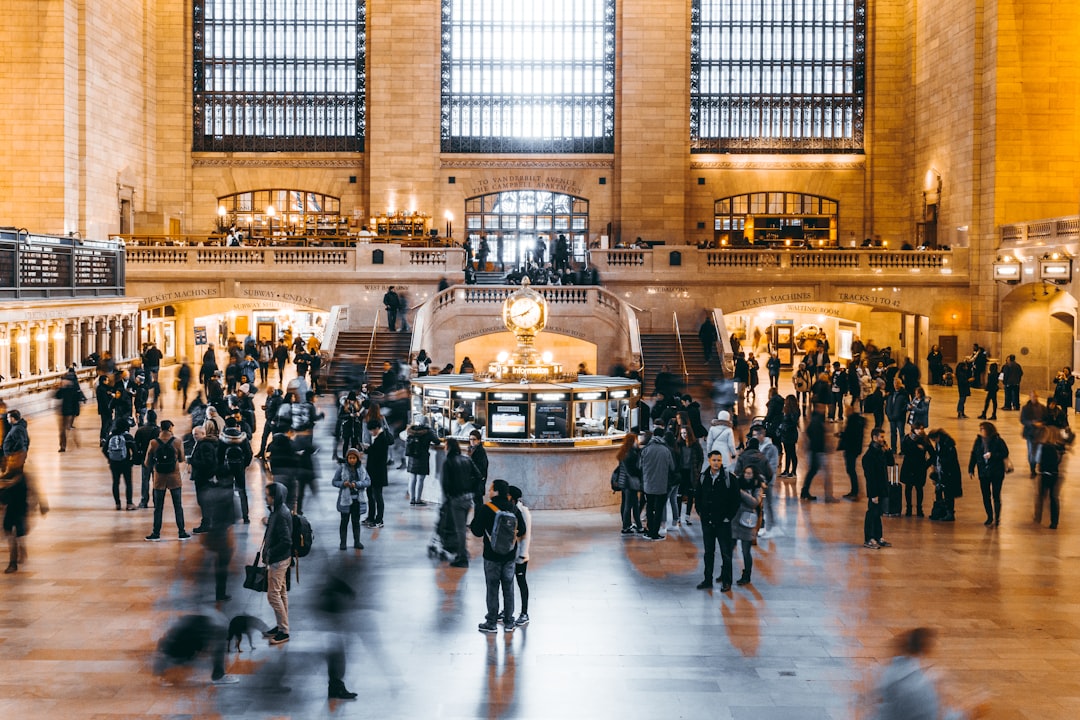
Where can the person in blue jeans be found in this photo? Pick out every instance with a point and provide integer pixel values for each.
(498, 567)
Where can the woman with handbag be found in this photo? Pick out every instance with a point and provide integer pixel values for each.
(744, 529)
(990, 455)
(351, 480)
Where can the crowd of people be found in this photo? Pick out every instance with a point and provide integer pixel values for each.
(670, 466)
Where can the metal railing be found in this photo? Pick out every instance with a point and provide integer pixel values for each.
(678, 344)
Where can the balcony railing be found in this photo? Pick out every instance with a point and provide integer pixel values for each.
(1041, 233)
(688, 261)
(202, 257)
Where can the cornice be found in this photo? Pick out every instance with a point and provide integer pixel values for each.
(279, 162)
(538, 163)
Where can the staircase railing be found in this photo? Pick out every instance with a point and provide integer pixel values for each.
(678, 344)
(371, 342)
(339, 316)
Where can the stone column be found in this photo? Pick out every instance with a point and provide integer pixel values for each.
(22, 343)
(5, 351)
(74, 342)
(117, 328)
(59, 345)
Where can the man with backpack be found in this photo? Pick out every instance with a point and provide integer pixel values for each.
(501, 524)
(234, 456)
(277, 552)
(164, 456)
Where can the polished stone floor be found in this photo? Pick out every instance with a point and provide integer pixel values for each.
(618, 630)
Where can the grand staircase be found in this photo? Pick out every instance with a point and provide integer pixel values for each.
(662, 349)
(351, 353)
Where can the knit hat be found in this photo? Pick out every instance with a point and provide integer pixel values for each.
(353, 451)
(723, 416)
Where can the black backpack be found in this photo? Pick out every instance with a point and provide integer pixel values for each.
(414, 446)
(302, 535)
(234, 458)
(165, 457)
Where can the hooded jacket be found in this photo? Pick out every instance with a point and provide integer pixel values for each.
(277, 540)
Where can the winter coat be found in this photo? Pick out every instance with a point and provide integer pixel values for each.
(421, 438)
(917, 455)
(657, 464)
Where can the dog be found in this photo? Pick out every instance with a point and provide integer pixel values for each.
(244, 625)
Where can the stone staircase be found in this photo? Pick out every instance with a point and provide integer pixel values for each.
(351, 352)
(661, 349)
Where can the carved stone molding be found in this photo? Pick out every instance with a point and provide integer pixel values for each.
(278, 162)
(735, 163)
(530, 163)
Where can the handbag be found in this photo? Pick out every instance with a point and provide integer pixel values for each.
(344, 500)
(1009, 465)
(256, 576)
(748, 518)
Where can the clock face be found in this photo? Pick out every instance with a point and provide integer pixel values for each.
(524, 313)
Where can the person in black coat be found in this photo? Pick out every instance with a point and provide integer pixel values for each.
(71, 398)
(718, 501)
(946, 474)
(851, 442)
(378, 455)
(478, 455)
(992, 387)
(917, 456)
(103, 393)
(990, 455)
(875, 463)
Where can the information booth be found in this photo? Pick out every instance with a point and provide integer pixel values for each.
(556, 440)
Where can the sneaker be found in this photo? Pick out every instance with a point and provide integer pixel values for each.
(871, 544)
(704, 585)
(522, 619)
(130, 506)
(377, 525)
(628, 531)
(153, 537)
(279, 638)
(271, 632)
(882, 544)
(199, 530)
(421, 502)
(358, 545)
(184, 536)
(509, 626)
(226, 680)
(486, 627)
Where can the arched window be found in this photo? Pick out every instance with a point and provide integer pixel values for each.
(295, 212)
(777, 76)
(513, 221)
(785, 219)
(526, 76)
(272, 76)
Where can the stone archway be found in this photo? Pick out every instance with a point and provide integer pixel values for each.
(1038, 326)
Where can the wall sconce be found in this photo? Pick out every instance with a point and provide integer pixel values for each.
(1055, 268)
(1007, 270)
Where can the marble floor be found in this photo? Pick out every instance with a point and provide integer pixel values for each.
(618, 629)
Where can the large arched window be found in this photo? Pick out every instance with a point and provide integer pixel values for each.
(527, 76)
(777, 76)
(275, 75)
(513, 220)
(294, 212)
(785, 219)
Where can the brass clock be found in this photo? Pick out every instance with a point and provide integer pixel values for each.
(525, 311)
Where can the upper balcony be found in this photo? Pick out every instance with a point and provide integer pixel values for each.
(162, 258)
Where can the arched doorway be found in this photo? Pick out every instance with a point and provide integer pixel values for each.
(514, 220)
(1037, 325)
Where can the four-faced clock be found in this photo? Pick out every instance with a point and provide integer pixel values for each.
(524, 314)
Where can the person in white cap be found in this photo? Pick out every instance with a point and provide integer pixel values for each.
(721, 438)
